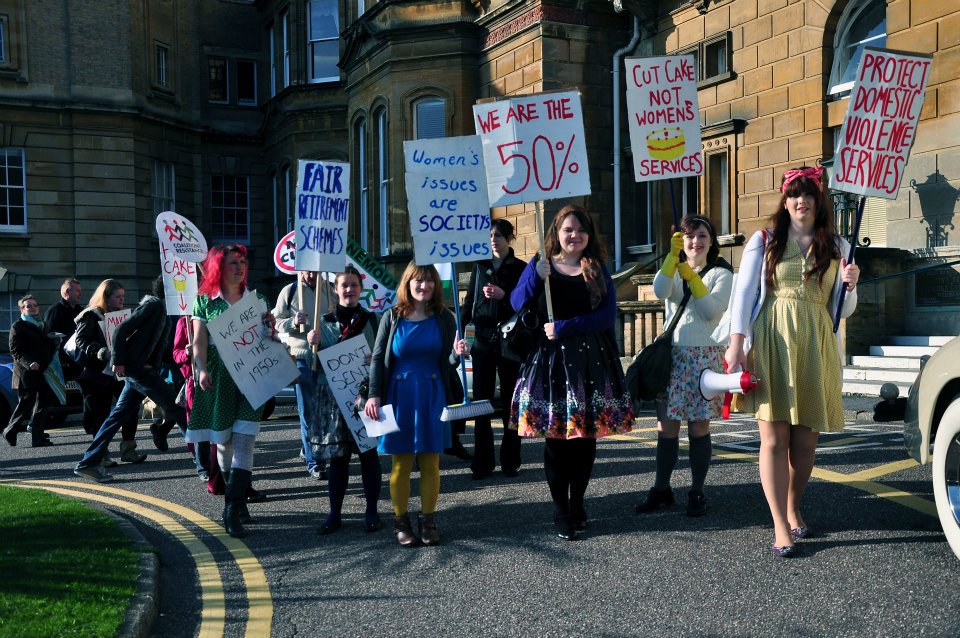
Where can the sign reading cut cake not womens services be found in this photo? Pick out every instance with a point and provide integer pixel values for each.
(533, 148)
(323, 199)
(881, 123)
(447, 199)
(664, 117)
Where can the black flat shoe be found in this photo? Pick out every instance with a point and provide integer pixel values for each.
(696, 504)
(43, 443)
(786, 551)
(329, 527)
(459, 451)
(372, 524)
(566, 528)
(655, 499)
(511, 472)
(479, 475)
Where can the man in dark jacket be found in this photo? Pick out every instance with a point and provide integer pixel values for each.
(138, 347)
(60, 318)
(32, 352)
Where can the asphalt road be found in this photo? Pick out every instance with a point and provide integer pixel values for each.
(879, 565)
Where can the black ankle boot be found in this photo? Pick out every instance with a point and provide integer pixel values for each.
(655, 499)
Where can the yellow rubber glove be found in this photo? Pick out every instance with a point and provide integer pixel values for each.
(697, 287)
(676, 244)
(669, 267)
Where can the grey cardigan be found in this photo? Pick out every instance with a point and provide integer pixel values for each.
(382, 359)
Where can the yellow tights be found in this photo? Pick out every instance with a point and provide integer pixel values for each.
(429, 463)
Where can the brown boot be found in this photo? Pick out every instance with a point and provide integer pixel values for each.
(404, 531)
(428, 530)
(129, 454)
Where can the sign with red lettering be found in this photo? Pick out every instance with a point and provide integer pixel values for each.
(323, 199)
(447, 199)
(664, 117)
(285, 254)
(881, 122)
(533, 148)
(257, 363)
(179, 281)
(182, 236)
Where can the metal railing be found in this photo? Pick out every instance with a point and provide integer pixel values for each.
(638, 324)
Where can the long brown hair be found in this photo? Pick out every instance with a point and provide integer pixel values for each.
(824, 245)
(591, 261)
(405, 303)
(103, 292)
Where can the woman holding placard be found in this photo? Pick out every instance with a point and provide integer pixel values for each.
(220, 413)
(571, 389)
(781, 329)
(411, 368)
(330, 438)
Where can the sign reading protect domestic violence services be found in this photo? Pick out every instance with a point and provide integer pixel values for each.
(664, 117)
(881, 122)
(447, 199)
(258, 364)
(323, 198)
(344, 365)
(533, 148)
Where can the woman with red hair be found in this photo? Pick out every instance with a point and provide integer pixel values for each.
(220, 413)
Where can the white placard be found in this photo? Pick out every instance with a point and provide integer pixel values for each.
(179, 281)
(881, 123)
(664, 118)
(323, 201)
(343, 365)
(182, 236)
(111, 321)
(447, 199)
(533, 148)
(258, 364)
(386, 424)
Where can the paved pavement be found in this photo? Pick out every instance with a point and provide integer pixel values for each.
(879, 565)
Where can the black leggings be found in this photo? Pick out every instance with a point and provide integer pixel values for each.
(568, 464)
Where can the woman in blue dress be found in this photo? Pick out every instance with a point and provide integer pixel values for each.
(410, 369)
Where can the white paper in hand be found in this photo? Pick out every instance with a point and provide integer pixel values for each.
(386, 424)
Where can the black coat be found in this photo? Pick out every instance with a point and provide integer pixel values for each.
(60, 317)
(90, 340)
(139, 341)
(487, 314)
(29, 344)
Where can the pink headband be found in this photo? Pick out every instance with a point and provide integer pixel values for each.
(814, 173)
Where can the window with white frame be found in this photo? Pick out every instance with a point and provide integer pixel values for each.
(272, 38)
(162, 187)
(218, 89)
(230, 208)
(862, 24)
(363, 187)
(323, 41)
(13, 190)
(246, 83)
(713, 59)
(162, 65)
(361, 7)
(285, 46)
(383, 181)
(429, 118)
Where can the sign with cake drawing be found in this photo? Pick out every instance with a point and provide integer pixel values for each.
(664, 117)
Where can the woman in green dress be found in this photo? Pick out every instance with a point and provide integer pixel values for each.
(781, 313)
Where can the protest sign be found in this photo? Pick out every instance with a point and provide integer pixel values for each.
(344, 365)
(258, 364)
(182, 236)
(664, 118)
(285, 254)
(881, 122)
(533, 148)
(447, 199)
(323, 198)
(110, 322)
(179, 281)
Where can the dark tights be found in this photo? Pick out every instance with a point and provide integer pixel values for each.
(568, 464)
(338, 473)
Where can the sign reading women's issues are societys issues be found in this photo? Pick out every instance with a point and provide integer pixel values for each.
(447, 199)
(182, 237)
(323, 198)
(345, 367)
(881, 123)
(664, 117)
(257, 363)
(533, 148)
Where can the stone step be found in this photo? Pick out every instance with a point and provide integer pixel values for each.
(867, 388)
(904, 363)
(906, 340)
(880, 375)
(902, 351)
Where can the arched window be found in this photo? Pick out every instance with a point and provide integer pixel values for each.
(429, 118)
(383, 179)
(361, 153)
(863, 24)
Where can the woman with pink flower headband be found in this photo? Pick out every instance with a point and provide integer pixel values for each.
(781, 314)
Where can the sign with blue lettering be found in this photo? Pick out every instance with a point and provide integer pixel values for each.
(323, 198)
(447, 199)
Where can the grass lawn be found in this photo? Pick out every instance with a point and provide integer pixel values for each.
(65, 569)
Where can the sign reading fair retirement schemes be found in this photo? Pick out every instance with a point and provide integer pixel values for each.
(664, 117)
(323, 198)
(259, 365)
(344, 366)
(447, 199)
(881, 123)
(533, 148)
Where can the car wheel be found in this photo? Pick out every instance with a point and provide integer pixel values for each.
(946, 474)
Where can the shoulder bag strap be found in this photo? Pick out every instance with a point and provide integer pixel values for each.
(680, 309)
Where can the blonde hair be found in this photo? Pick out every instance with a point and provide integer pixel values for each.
(103, 292)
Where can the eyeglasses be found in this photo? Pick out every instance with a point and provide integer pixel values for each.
(31, 305)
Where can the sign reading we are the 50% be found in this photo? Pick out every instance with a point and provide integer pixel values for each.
(533, 148)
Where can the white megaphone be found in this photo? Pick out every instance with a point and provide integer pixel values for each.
(713, 384)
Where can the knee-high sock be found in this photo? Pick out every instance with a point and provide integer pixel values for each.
(400, 483)
(700, 452)
(370, 473)
(242, 451)
(429, 481)
(338, 474)
(667, 452)
(225, 457)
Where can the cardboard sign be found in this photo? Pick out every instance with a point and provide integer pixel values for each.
(179, 281)
(343, 364)
(285, 254)
(111, 321)
(881, 122)
(259, 365)
(182, 236)
(664, 117)
(447, 199)
(323, 198)
(533, 148)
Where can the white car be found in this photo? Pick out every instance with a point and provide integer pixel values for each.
(932, 419)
